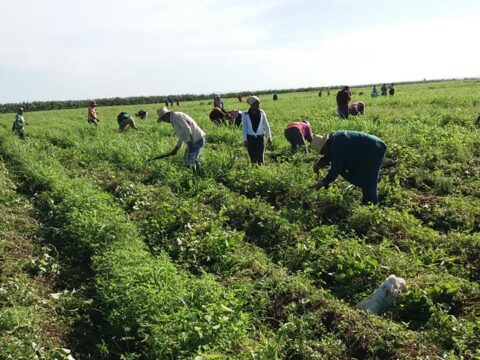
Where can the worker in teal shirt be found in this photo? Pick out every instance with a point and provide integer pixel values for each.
(354, 155)
(19, 124)
(124, 119)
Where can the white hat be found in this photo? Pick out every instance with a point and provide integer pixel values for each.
(162, 111)
(252, 100)
(318, 142)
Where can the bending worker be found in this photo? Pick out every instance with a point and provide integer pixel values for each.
(124, 119)
(187, 131)
(297, 132)
(356, 156)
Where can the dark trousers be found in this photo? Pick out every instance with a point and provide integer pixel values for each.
(370, 194)
(343, 112)
(294, 137)
(256, 148)
(21, 133)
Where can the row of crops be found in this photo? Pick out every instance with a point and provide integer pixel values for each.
(248, 262)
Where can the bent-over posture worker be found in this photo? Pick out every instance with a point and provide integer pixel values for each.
(356, 156)
(187, 131)
(142, 114)
(217, 116)
(297, 133)
(357, 107)
(124, 119)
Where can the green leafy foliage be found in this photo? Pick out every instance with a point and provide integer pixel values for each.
(238, 261)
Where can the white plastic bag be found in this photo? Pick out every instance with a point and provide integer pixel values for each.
(384, 297)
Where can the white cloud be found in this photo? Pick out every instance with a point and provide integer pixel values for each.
(79, 49)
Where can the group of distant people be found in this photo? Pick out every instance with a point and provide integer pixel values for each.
(355, 156)
(169, 101)
(344, 108)
(384, 89)
(320, 93)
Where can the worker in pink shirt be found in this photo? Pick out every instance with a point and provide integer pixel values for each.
(297, 133)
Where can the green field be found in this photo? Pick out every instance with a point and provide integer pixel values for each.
(149, 260)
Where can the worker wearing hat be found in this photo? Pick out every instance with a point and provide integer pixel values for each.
(187, 131)
(255, 126)
(92, 113)
(354, 155)
(19, 124)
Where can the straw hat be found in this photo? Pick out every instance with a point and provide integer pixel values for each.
(318, 142)
(164, 110)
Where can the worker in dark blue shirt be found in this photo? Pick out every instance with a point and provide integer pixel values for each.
(354, 155)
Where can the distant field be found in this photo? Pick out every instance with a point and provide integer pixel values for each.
(248, 262)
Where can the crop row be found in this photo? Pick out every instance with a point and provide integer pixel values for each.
(347, 267)
(150, 304)
(150, 301)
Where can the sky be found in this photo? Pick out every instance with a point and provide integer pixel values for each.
(90, 49)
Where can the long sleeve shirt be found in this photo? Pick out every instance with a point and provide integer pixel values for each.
(186, 128)
(263, 127)
(343, 97)
(354, 155)
(304, 128)
(19, 122)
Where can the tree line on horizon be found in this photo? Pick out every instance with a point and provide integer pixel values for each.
(138, 100)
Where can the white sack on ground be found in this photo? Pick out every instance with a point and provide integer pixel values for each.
(384, 297)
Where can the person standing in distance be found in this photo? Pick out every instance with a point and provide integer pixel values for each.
(92, 113)
(19, 124)
(343, 98)
(254, 127)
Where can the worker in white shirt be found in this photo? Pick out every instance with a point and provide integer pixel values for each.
(188, 131)
(255, 125)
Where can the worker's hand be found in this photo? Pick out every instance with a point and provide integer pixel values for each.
(245, 143)
(269, 141)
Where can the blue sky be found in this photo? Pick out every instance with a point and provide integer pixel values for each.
(55, 50)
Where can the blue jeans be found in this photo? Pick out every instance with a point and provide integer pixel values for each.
(193, 158)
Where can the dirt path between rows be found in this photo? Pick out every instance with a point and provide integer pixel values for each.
(31, 323)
